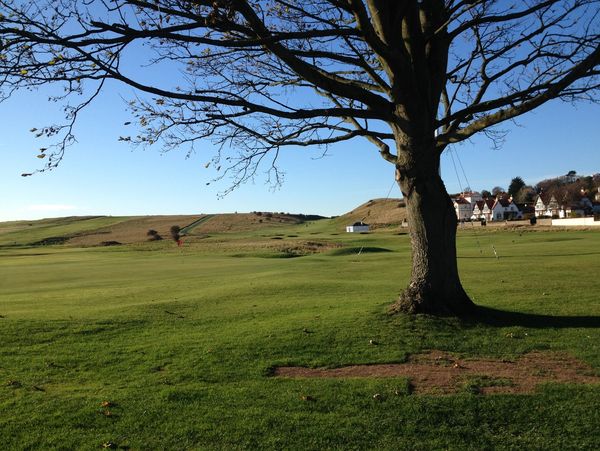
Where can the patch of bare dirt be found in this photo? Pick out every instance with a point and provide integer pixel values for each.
(441, 373)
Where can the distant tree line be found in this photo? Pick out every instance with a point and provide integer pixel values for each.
(569, 188)
(298, 216)
(566, 189)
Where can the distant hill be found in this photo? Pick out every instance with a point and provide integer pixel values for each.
(376, 212)
(133, 230)
(88, 230)
(53, 230)
(242, 222)
(111, 230)
(107, 230)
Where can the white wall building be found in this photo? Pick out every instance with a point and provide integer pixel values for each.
(463, 208)
(546, 206)
(504, 209)
(357, 227)
(499, 209)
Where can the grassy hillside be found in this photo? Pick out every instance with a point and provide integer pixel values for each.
(53, 231)
(95, 230)
(150, 346)
(246, 222)
(377, 213)
(133, 230)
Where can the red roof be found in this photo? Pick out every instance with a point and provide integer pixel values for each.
(461, 200)
(546, 199)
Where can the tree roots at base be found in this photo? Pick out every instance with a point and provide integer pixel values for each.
(416, 300)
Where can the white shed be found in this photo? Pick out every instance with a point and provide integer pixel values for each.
(357, 227)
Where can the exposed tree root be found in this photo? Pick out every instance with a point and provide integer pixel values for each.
(418, 299)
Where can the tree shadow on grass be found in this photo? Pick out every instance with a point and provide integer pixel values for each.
(502, 318)
(503, 256)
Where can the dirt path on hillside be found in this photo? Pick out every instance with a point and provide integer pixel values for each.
(441, 373)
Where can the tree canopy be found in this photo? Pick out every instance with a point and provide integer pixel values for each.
(259, 76)
(515, 185)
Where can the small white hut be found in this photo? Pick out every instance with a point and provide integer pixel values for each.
(357, 227)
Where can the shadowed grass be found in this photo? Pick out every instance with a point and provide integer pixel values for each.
(359, 250)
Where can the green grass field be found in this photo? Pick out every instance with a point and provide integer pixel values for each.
(182, 342)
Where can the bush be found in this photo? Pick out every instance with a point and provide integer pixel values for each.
(153, 235)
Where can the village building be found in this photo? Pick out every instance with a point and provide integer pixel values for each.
(463, 208)
(547, 206)
(584, 207)
(504, 209)
(465, 203)
(477, 214)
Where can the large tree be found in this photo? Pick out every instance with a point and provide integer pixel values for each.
(412, 77)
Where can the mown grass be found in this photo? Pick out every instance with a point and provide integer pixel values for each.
(183, 342)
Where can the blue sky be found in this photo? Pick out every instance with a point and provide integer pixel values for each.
(101, 176)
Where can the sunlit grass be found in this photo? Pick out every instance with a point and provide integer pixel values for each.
(182, 342)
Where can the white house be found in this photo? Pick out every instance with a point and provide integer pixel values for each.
(499, 209)
(483, 210)
(357, 227)
(504, 208)
(478, 214)
(463, 208)
(546, 206)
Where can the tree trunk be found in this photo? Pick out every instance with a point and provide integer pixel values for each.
(435, 286)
